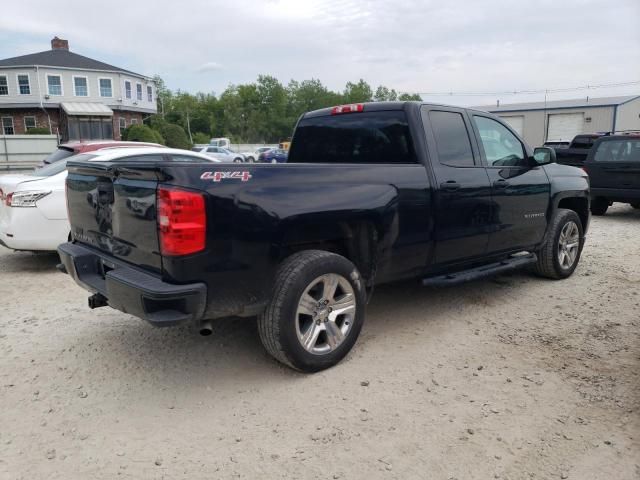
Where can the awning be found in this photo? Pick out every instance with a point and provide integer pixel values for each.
(86, 108)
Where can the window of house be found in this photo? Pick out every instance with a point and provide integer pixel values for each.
(134, 121)
(139, 91)
(54, 85)
(149, 93)
(122, 123)
(105, 87)
(24, 87)
(81, 86)
(452, 139)
(7, 126)
(501, 147)
(4, 85)
(127, 89)
(90, 128)
(29, 122)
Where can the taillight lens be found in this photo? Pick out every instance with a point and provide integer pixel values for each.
(354, 107)
(26, 198)
(182, 221)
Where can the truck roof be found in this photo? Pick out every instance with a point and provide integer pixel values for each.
(382, 106)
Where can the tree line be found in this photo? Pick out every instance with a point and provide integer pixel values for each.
(264, 111)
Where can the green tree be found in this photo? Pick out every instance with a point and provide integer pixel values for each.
(410, 97)
(358, 92)
(142, 133)
(200, 138)
(175, 136)
(383, 94)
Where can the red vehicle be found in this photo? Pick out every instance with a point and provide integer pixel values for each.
(73, 148)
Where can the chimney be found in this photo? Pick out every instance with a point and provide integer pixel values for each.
(59, 44)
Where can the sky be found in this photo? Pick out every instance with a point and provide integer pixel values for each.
(488, 46)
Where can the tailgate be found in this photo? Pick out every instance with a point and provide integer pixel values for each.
(113, 208)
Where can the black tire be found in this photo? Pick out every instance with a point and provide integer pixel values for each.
(636, 206)
(237, 160)
(548, 264)
(277, 324)
(599, 206)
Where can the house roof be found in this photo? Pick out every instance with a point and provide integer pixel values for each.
(61, 58)
(556, 104)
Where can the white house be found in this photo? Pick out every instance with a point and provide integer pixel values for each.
(72, 95)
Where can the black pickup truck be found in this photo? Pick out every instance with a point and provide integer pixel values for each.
(372, 193)
(576, 153)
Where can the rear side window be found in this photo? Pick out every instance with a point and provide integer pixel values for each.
(141, 158)
(622, 150)
(188, 158)
(375, 137)
(452, 139)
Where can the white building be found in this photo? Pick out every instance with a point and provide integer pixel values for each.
(74, 96)
(562, 120)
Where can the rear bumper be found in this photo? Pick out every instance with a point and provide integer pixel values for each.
(617, 194)
(131, 290)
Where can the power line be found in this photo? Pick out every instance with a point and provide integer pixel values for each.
(530, 92)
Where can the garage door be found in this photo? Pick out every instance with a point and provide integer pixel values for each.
(564, 126)
(516, 122)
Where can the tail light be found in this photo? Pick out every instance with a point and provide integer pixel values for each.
(354, 107)
(182, 222)
(26, 198)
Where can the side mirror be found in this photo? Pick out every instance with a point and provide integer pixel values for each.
(544, 155)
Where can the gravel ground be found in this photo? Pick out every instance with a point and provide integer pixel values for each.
(512, 378)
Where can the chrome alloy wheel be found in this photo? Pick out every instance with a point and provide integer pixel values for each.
(325, 314)
(568, 245)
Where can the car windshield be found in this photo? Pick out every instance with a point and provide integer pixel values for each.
(59, 166)
(58, 154)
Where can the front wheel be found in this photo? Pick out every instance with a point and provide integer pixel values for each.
(559, 256)
(316, 311)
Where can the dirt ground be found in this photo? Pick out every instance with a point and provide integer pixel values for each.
(511, 378)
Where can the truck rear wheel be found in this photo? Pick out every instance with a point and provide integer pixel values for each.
(316, 311)
(559, 256)
(599, 206)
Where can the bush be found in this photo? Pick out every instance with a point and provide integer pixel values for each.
(38, 131)
(201, 138)
(142, 133)
(175, 136)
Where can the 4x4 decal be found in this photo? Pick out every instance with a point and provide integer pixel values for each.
(219, 176)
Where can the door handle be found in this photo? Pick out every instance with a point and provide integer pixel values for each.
(502, 183)
(450, 185)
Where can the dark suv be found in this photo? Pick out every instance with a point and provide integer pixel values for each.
(613, 166)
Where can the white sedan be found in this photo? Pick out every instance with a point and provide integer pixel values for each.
(33, 207)
(222, 154)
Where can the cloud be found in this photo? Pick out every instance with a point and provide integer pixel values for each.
(413, 45)
(209, 67)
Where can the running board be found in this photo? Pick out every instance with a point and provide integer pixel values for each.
(512, 263)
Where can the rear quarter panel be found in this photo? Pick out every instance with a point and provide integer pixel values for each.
(254, 224)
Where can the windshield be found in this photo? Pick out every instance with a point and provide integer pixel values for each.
(59, 154)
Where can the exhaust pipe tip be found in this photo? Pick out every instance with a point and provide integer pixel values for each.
(206, 329)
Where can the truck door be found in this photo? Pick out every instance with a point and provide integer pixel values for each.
(520, 188)
(462, 190)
